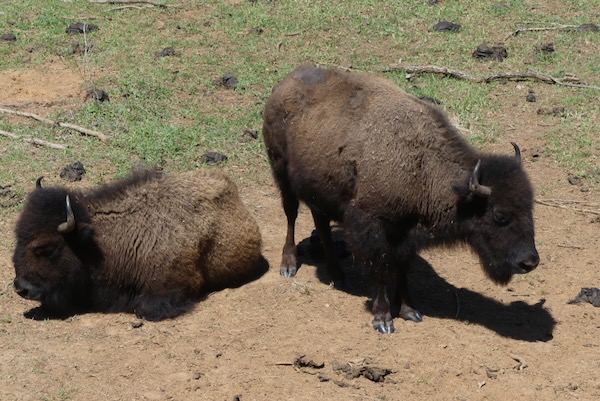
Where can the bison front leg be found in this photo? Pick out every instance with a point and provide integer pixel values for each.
(407, 312)
(372, 252)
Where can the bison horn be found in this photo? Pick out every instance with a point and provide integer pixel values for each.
(517, 152)
(69, 225)
(38, 182)
(474, 185)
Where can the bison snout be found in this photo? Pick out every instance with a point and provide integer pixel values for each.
(528, 264)
(25, 289)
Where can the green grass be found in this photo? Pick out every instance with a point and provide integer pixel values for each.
(166, 111)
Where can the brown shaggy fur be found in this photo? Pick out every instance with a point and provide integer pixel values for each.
(357, 149)
(146, 244)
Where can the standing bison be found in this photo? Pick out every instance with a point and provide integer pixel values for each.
(149, 244)
(399, 177)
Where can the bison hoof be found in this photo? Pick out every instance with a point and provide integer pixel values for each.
(413, 315)
(385, 328)
(287, 271)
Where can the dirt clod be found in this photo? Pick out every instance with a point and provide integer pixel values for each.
(352, 371)
(574, 180)
(249, 135)
(7, 196)
(302, 362)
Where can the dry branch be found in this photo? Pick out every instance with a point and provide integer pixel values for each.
(538, 29)
(566, 204)
(74, 127)
(35, 141)
(519, 76)
(148, 2)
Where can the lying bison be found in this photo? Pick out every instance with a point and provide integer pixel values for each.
(399, 177)
(148, 244)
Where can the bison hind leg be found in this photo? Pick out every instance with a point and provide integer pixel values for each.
(334, 269)
(155, 308)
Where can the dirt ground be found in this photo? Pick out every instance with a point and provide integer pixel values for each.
(478, 341)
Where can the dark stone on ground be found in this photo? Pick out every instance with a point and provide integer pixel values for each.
(574, 180)
(591, 295)
(228, 81)
(588, 28)
(8, 197)
(547, 48)
(8, 37)
(531, 96)
(99, 95)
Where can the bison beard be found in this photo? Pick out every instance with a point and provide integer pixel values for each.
(398, 176)
(148, 244)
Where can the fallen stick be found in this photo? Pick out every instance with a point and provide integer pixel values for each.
(74, 127)
(518, 76)
(35, 141)
(554, 203)
(538, 29)
(148, 2)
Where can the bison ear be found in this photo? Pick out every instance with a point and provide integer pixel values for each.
(85, 232)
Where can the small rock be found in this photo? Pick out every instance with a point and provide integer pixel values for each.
(136, 324)
(485, 52)
(446, 26)
(166, 52)
(212, 158)
(81, 27)
(99, 95)
(228, 81)
(574, 180)
(8, 37)
(584, 189)
(197, 376)
(588, 28)
(531, 96)
(73, 172)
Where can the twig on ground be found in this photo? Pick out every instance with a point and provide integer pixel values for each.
(35, 141)
(564, 204)
(131, 6)
(149, 2)
(570, 246)
(74, 127)
(518, 76)
(546, 28)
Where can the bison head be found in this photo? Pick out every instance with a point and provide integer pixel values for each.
(499, 206)
(53, 251)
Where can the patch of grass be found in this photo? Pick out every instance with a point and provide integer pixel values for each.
(166, 111)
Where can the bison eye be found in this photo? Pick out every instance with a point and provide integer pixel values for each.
(501, 218)
(50, 251)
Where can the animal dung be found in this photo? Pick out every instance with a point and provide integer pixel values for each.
(166, 52)
(99, 95)
(530, 96)
(588, 28)
(446, 26)
(228, 81)
(212, 158)
(73, 172)
(8, 37)
(81, 27)
(591, 295)
(493, 53)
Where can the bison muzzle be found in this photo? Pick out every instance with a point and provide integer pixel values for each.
(398, 176)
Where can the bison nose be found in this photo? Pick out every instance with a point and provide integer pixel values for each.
(530, 263)
(25, 289)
